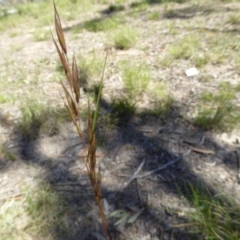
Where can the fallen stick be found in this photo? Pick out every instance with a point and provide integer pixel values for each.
(15, 197)
(135, 175)
(159, 169)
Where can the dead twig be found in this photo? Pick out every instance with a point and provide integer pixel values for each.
(13, 197)
(202, 150)
(159, 169)
(140, 196)
(135, 175)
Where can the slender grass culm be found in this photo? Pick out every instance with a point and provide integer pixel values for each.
(72, 104)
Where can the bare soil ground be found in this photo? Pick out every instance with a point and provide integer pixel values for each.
(208, 157)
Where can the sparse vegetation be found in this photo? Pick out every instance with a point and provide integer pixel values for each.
(39, 119)
(35, 213)
(136, 77)
(161, 97)
(6, 154)
(13, 34)
(218, 111)
(46, 209)
(200, 59)
(89, 70)
(125, 38)
(154, 16)
(215, 217)
(184, 48)
(40, 13)
(98, 25)
(139, 6)
(234, 19)
(142, 89)
(115, 8)
(123, 109)
(5, 98)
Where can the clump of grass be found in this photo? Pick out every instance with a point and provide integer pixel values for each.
(139, 6)
(172, 29)
(170, 13)
(5, 98)
(115, 8)
(5, 153)
(39, 119)
(200, 60)
(123, 109)
(166, 1)
(221, 46)
(161, 97)
(214, 218)
(218, 111)
(89, 69)
(107, 120)
(105, 24)
(125, 38)
(184, 48)
(45, 208)
(165, 62)
(136, 78)
(16, 48)
(154, 16)
(234, 19)
(72, 103)
(206, 77)
(237, 88)
(36, 212)
(13, 34)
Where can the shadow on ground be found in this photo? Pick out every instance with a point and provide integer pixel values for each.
(158, 140)
(180, 12)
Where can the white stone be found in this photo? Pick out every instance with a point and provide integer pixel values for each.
(191, 72)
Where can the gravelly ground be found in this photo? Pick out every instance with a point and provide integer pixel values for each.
(205, 156)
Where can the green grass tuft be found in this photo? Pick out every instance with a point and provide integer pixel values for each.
(35, 214)
(90, 68)
(139, 6)
(154, 16)
(125, 38)
(162, 98)
(46, 210)
(40, 119)
(201, 59)
(5, 98)
(218, 111)
(234, 19)
(6, 154)
(184, 48)
(214, 218)
(123, 109)
(136, 78)
(115, 8)
(105, 24)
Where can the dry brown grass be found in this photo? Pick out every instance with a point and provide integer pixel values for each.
(72, 103)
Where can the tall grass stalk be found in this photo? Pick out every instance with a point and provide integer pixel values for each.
(72, 104)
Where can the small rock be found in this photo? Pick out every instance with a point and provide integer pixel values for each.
(12, 11)
(191, 72)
